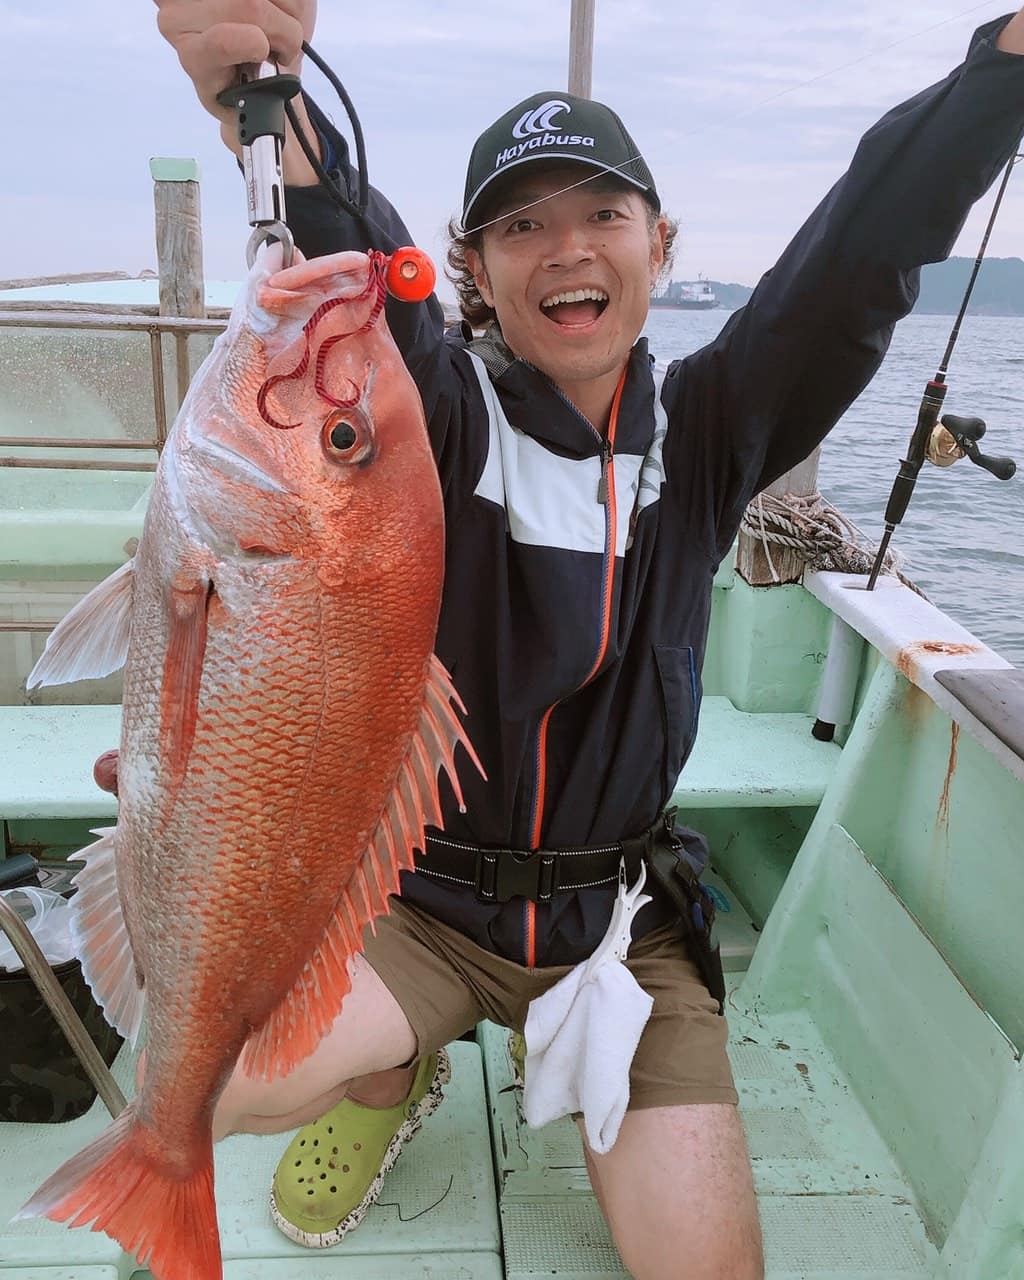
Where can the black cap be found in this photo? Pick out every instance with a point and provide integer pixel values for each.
(554, 126)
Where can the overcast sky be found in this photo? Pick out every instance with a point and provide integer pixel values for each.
(91, 91)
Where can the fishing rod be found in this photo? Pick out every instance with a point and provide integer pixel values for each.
(944, 441)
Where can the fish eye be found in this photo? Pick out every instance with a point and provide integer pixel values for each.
(347, 436)
(343, 436)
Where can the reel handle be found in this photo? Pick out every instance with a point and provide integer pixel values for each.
(967, 432)
(1001, 467)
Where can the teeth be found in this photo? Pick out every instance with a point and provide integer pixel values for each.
(576, 295)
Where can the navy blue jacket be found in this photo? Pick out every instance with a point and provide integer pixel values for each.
(579, 756)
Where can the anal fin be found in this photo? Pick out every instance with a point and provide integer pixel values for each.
(101, 938)
(307, 1012)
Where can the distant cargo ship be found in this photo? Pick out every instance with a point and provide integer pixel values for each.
(686, 295)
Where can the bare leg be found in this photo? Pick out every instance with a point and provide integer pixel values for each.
(371, 1037)
(678, 1193)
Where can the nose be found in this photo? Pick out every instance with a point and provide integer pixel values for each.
(569, 246)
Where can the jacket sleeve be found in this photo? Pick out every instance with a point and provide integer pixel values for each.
(756, 401)
(450, 394)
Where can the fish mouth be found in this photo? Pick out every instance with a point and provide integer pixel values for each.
(237, 466)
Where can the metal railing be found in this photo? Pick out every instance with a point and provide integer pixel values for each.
(180, 328)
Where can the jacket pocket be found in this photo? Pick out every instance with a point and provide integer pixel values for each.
(680, 692)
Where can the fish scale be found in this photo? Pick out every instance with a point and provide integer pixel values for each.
(278, 625)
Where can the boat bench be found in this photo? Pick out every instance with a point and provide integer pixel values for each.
(741, 759)
(46, 759)
(754, 760)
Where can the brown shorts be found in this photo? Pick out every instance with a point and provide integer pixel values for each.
(446, 984)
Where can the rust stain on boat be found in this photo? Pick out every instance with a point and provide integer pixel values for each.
(906, 660)
(942, 818)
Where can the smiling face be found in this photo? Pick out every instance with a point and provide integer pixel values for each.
(570, 277)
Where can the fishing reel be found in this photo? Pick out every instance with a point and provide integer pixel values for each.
(947, 439)
(954, 438)
(942, 441)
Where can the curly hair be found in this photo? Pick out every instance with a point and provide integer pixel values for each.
(474, 310)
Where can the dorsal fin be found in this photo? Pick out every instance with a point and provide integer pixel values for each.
(306, 1014)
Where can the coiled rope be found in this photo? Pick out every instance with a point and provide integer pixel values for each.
(818, 533)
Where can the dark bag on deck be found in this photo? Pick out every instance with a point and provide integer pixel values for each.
(41, 1079)
(675, 856)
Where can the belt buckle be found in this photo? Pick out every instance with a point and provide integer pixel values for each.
(531, 875)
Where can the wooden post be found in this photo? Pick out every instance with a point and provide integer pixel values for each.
(751, 561)
(179, 237)
(581, 47)
(179, 249)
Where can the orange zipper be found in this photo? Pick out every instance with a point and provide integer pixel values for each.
(606, 496)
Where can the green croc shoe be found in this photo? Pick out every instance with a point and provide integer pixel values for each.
(334, 1168)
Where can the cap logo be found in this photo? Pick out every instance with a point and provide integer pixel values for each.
(540, 119)
(535, 126)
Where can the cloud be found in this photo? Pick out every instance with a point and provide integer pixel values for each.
(717, 95)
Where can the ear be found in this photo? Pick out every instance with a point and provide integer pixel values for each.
(475, 262)
(658, 249)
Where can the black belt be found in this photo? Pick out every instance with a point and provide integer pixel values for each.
(498, 874)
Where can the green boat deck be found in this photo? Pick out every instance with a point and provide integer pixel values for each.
(832, 1201)
(874, 1010)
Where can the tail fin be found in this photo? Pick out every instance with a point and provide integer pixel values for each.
(168, 1222)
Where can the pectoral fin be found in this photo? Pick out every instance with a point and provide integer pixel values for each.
(92, 639)
(188, 617)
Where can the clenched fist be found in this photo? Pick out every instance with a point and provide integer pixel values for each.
(212, 38)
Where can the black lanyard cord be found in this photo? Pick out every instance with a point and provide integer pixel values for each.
(356, 209)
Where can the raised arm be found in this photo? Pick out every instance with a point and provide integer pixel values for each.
(212, 38)
(776, 380)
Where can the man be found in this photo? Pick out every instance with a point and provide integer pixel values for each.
(587, 511)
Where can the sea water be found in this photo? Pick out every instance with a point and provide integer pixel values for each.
(961, 538)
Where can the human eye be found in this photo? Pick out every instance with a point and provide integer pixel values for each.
(519, 226)
(606, 215)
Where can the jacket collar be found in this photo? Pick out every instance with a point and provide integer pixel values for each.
(534, 405)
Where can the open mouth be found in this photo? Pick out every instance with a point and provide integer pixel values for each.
(575, 308)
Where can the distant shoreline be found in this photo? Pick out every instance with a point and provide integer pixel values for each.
(998, 291)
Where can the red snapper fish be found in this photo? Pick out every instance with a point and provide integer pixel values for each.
(285, 720)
